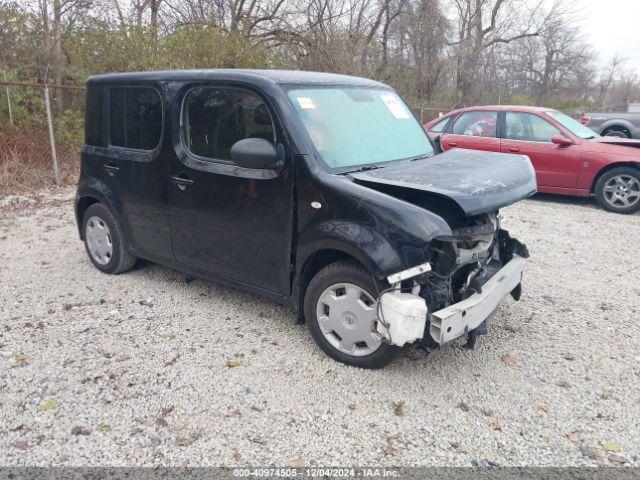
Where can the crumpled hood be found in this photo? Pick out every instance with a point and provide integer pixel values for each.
(479, 182)
(614, 146)
(624, 142)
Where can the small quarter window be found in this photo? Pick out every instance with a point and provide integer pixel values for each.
(216, 118)
(93, 118)
(135, 115)
(440, 126)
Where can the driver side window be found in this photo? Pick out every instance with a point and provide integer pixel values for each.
(529, 128)
(216, 118)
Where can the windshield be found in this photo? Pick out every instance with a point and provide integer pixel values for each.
(359, 126)
(575, 127)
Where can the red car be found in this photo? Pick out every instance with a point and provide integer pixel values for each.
(568, 157)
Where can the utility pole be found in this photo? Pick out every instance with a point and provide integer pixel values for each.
(6, 88)
(54, 156)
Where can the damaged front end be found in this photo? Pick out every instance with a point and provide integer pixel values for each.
(467, 276)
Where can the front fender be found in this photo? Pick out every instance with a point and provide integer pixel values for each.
(384, 233)
(383, 247)
(366, 245)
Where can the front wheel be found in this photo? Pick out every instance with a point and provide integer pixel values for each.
(618, 190)
(340, 310)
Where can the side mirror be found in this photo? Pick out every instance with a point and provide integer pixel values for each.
(437, 142)
(254, 153)
(561, 141)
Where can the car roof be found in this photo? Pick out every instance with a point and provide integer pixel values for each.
(501, 108)
(281, 77)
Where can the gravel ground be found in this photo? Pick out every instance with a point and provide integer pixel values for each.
(92, 377)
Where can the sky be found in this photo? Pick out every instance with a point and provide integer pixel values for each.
(614, 28)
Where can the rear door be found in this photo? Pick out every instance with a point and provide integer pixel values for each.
(475, 130)
(230, 221)
(131, 165)
(530, 134)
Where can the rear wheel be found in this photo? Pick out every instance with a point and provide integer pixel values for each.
(104, 241)
(340, 310)
(618, 190)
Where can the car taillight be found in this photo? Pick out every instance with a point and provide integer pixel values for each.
(585, 119)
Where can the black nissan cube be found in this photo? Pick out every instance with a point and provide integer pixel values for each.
(319, 191)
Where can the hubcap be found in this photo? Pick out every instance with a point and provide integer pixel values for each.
(98, 238)
(346, 315)
(622, 191)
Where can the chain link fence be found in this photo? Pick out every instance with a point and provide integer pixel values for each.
(41, 132)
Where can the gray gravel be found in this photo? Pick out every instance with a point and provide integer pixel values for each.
(90, 376)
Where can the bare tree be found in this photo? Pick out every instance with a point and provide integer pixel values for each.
(552, 61)
(57, 18)
(483, 24)
(607, 78)
(426, 30)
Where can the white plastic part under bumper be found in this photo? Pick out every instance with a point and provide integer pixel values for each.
(462, 317)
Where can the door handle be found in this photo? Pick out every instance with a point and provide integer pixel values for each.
(452, 144)
(514, 149)
(111, 168)
(182, 181)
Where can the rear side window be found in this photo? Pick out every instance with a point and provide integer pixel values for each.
(216, 118)
(135, 116)
(476, 124)
(440, 126)
(94, 118)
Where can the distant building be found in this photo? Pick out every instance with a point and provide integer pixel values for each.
(634, 108)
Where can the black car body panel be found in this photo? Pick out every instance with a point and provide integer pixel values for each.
(361, 221)
(479, 182)
(257, 229)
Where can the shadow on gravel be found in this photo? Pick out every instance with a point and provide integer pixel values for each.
(566, 200)
(587, 202)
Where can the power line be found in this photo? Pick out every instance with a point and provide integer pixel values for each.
(43, 85)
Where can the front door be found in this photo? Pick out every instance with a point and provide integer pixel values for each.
(225, 220)
(529, 134)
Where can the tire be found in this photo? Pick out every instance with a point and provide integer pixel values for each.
(617, 132)
(618, 190)
(352, 312)
(104, 241)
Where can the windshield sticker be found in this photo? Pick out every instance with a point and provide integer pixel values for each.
(306, 103)
(395, 106)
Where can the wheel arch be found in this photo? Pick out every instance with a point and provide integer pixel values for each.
(315, 262)
(610, 167)
(617, 124)
(82, 205)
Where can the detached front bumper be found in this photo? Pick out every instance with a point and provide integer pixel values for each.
(463, 317)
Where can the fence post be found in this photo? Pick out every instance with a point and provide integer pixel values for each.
(6, 88)
(54, 157)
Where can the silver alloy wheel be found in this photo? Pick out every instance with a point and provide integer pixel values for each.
(622, 191)
(346, 315)
(98, 238)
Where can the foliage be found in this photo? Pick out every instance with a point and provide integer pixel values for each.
(436, 56)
